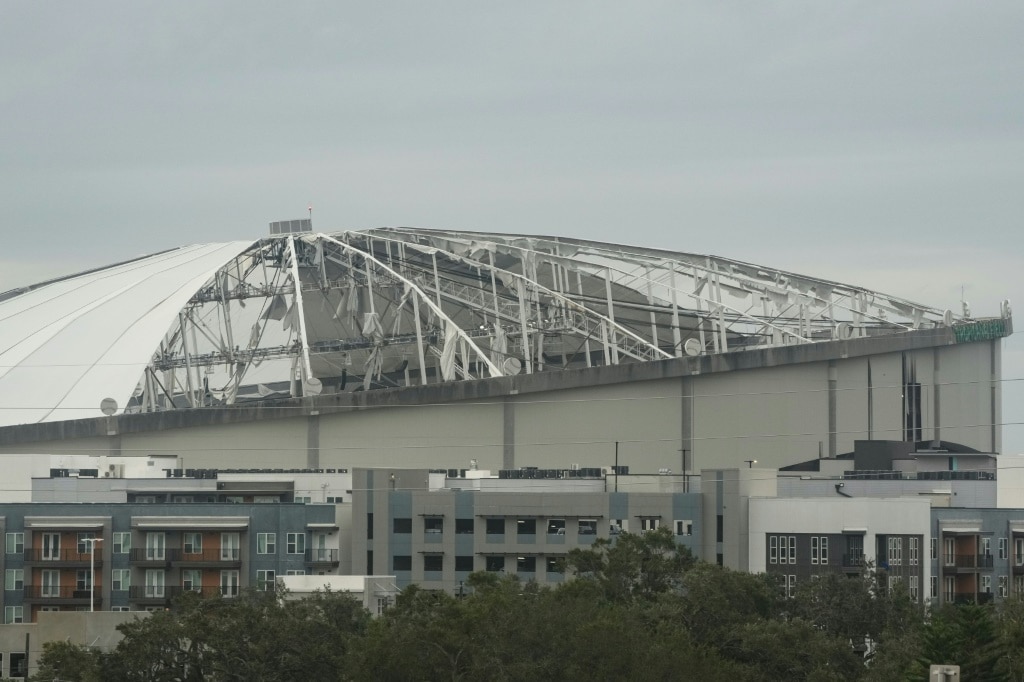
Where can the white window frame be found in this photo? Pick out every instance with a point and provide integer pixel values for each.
(192, 579)
(51, 546)
(230, 547)
(156, 583)
(83, 545)
(266, 578)
(773, 549)
(49, 583)
(229, 583)
(120, 579)
(14, 614)
(683, 527)
(156, 545)
(266, 543)
(14, 579)
(823, 558)
(814, 550)
(192, 543)
(1002, 548)
(792, 551)
(15, 543)
(648, 523)
(912, 587)
(1018, 551)
(296, 543)
(986, 584)
(122, 542)
(913, 550)
(1004, 583)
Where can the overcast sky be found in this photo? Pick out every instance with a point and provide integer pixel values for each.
(880, 144)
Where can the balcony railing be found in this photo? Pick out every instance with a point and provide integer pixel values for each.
(968, 561)
(165, 593)
(220, 555)
(322, 556)
(855, 560)
(61, 592)
(148, 555)
(67, 556)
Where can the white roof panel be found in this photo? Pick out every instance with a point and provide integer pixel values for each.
(66, 346)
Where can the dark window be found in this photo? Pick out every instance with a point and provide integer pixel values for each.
(403, 525)
(433, 524)
(495, 563)
(433, 562)
(718, 558)
(556, 527)
(555, 564)
(587, 527)
(495, 526)
(369, 526)
(464, 563)
(464, 526)
(402, 562)
(526, 564)
(526, 526)
(369, 563)
(719, 529)
(19, 664)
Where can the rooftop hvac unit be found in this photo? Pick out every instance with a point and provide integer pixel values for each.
(291, 226)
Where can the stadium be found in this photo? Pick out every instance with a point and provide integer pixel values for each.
(440, 349)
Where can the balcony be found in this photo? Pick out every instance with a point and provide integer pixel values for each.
(150, 558)
(165, 594)
(970, 598)
(61, 558)
(49, 594)
(966, 563)
(322, 557)
(853, 562)
(221, 557)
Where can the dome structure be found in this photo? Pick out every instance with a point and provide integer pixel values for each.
(306, 313)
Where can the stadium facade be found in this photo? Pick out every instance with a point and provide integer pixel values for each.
(400, 347)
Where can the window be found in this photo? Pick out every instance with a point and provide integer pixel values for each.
(120, 579)
(382, 605)
(495, 527)
(986, 584)
(401, 562)
(913, 587)
(14, 579)
(824, 550)
(463, 526)
(935, 548)
(814, 549)
(193, 543)
(588, 527)
(266, 543)
(300, 571)
(19, 664)
(950, 591)
(51, 546)
(773, 549)
(433, 525)
(296, 543)
(433, 562)
(50, 585)
(526, 564)
(986, 546)
(234, 499)
(526, 526)
(618, 526)
(155, 546)
(1003, 585)
(913, 550)
(120, 609)
(229, 583)
(83, 579)
(191, 580)
(83, 546)
(15, 543)
(265, 580)
(949, 551)
(556, 526)
(935, 586)
(792, 551)
(649, 523)
(154, 583)
(369, 526)
(181, 499)
(402, 525)
(684, 527)
(554, 564)
(1002, 548)
(229, 547)
(14, 614)
(300, 499)
(1018, 551)
(464, 562)
(790, 586)
(495, 563)
(819, 550)
(122, 543)
(895, 551)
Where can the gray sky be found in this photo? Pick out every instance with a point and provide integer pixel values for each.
(880, 144)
